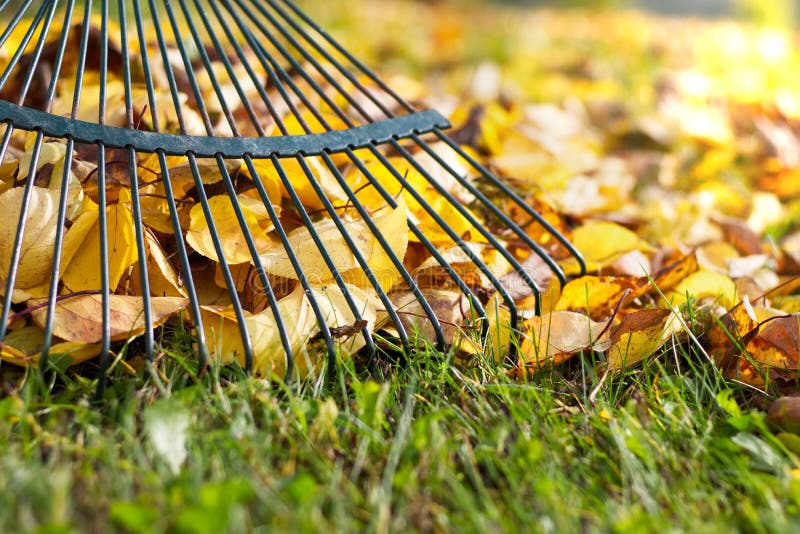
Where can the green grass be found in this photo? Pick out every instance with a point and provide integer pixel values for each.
(434, 446)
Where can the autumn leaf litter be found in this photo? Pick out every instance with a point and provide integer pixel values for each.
(682, 198)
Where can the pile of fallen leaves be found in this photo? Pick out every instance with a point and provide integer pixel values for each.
(667, 151)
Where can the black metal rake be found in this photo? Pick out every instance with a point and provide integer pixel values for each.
(255, 93)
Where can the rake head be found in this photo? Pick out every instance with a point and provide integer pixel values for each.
(230, 159)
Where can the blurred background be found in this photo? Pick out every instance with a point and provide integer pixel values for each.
(766, 11)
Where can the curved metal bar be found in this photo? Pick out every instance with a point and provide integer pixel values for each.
(229, 147)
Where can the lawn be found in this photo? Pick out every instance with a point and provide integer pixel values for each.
(468, 440)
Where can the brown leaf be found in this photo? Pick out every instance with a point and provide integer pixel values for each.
(771, 352)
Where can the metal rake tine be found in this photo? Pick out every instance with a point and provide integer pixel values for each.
(173, 85)
(329, 57)
(185, 264)
(57, 251)
(325, 330)
(301, 71)
(19, 52)
(426, 243)
(169, 193)
(352, 198)
(359, 256)
(105, 348)
(238, 310)
(337, 276)
(207, 64)
(105, 291)
(62, 203)
(308, 57)
(37, 54)
(36, 152)
(254, 255)
(189, 69)
(82, 51)
(229, 69)
(520, 202)
(223, 262)
(242, 57)
(14, 22)
(474, 222)
(492, 208)
(282, 235)
(4, 4)
(144, 279)
(346, 53)
(321, 246)
(16, 251)
(270, 66)
(455, 237)
(62, 44)
(136, 208)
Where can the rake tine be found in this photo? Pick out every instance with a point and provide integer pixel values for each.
(271, 66)
(323, 324)
(308, 57)
(62, 202)
(16, 251)
(506, 190)
(479, 227)
(19, 52)
(149, 342)
(259, 268)
(253, 76)
(36, 152)
(327, 258)
(313, 85)
(172, 206)
(346, 53)
(223, 262)
(329, 57)
(105, 356)
(229, 69)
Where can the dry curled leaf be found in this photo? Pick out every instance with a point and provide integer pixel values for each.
(556, 337)
(80, 318)
(391, 224)
(640, 334)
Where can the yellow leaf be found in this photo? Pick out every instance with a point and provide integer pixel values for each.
(266, 174)
(224, 338)
(83, 272)
(232, 239)
(602, 242)
(639, 335)
(558, 335)
(703, 284)
(371, 198)
(23, 348)
(13, 355)
(76, 351)
(79, 318)
(392, 225)
(27, 340)
(300, 181)
(36, 253)
(596, 295)
(164, 281)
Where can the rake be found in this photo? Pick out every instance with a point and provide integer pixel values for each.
(232, 159)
